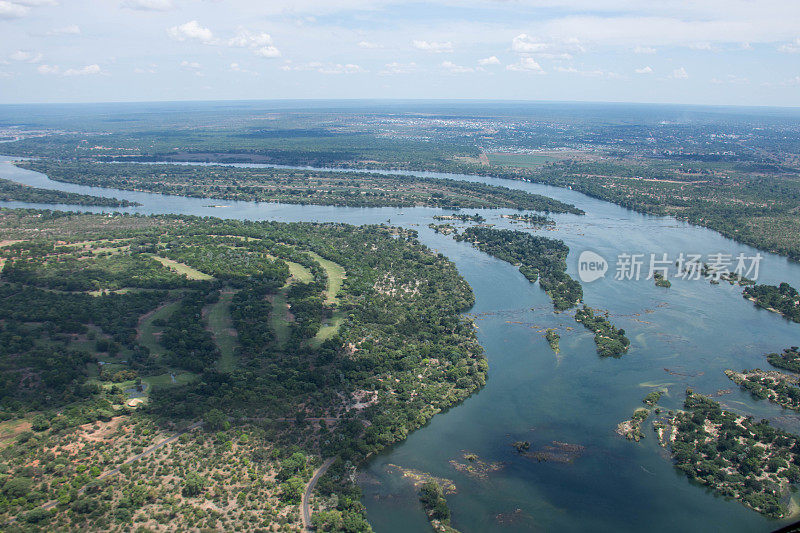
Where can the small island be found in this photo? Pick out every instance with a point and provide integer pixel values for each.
(553, 339)
(610, 341)
(661, 281)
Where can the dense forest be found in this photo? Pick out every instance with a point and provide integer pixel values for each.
(15, 192)
(295, 186)
(734, 455)
(610, 341)
(538, 258)
(782, 299)
(345, 339)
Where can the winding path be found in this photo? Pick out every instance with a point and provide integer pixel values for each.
(306, 514)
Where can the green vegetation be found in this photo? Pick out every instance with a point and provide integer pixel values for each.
(463, 217)
(734, 455)
(652, 398)
(789, 359)
(432, 497)
(11, 191)
(538, 258)
(533, 220)
(295, 186)
(220, 323)
(774, 386)
(610, 341)
(661, 281)
(782, 299)
(553, 339)
(519, 160)
(632, 429)
(103, 376)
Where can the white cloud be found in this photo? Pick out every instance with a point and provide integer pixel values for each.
(369, 45)
(526, 64)
(10, 10)
(267, 51)
(489, 61)
(680, 74)
(259, 42)
(433, 46)
(83, 71)
(191, 30)
(790, 48)
(398, 68)
(644, 50)
(25, 56)
(732, 79)
(48, 69)
(598, 73)
(149, 5)
(456, 69)
(244, 38)
(564, 49)
(73, 29)
(191, 65)
(151, 69)
(324, 68)
(644, 70)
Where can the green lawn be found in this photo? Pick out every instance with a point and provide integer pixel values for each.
(148, 332)
(278, 319)
(299, 272)
(520, 160)
(220, 323)
(336, 275)
(181, 268)
(328, 330)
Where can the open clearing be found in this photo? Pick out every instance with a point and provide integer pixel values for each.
(218, 318)
(336, 276)
(148, 332)
(299, 272)
(181, 268)
(520, 160)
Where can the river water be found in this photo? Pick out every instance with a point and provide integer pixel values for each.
(684, 336)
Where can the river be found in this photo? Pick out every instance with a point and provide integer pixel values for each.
(684, 336)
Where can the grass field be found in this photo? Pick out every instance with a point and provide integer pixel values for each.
(520, 160)
(181, 268)
(299, 272)
(336, 275)
(218, 318)
(278, 318)
(328, 330)
(148, 332)
(165, 380)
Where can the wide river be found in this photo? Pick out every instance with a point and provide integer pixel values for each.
(685, 336)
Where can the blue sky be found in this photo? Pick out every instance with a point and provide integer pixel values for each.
(738, 52)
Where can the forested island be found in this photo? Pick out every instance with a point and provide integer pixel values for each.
(610, 341)
(295, 186)
(783, 299)
(233, 355)
(538, 258)
(733, 455)
(777, 387)
(15, 192)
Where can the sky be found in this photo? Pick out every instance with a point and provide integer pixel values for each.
(731, 52)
